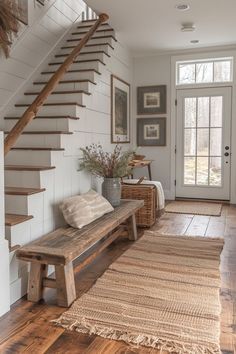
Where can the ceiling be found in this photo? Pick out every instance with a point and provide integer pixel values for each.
(154, 25)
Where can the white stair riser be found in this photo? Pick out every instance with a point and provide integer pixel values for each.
(88, 23)
(25, 205)
(23, 179)
(60, 124)
(88, 56)
(86, 75)
(61, 110)
(40, 140)
(17, 267)
(32, 157)
(19, 288)
(18, 234)
(79, 98)
(103, 47)
(95, 65)
(96, 34)
(70, 86)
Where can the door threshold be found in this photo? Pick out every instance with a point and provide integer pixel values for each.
(203, 200)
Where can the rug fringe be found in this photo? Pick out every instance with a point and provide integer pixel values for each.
(161, 344)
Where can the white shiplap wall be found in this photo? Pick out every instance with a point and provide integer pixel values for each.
(4, 254)
(47, 25)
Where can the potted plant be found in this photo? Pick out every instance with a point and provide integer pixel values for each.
(111, 166)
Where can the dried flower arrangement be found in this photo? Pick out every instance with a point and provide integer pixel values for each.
(104, 164)
(9, 23)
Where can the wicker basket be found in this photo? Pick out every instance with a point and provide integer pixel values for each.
(146, 216)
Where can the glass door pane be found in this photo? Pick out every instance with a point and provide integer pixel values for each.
(203, 141)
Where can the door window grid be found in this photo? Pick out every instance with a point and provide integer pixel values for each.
(202, 164)
(204, 71)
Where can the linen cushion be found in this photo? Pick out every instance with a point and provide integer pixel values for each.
(81, 210)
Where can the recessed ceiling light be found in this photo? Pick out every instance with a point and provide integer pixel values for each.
(194, 41)
(182, 7)
(188, 27)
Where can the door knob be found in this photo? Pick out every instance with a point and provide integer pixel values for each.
(227, 148)
(226, 154)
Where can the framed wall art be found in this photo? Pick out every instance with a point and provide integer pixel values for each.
(151, 99)
(120, 110)
(42, 2)
(151, 131)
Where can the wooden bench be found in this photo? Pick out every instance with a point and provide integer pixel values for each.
(62, 246)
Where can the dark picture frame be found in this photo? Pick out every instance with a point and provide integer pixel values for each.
(151, 99)
(42, 2)
(120, 111)
(151, 131)
(24, 15)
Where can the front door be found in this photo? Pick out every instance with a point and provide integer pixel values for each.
(203, 143)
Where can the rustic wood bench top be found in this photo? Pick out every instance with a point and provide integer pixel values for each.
(65, 244)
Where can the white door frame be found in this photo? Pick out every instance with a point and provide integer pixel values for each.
(196, 56)
(200, 191)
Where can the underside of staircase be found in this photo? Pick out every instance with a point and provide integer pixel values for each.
(39, 151)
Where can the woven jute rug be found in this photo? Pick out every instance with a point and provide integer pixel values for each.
(197, 208)
(162, 293)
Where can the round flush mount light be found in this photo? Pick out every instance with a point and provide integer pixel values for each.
(182, 7)
(187, 27)
(194, 41)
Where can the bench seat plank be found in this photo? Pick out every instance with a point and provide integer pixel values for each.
(66, 244)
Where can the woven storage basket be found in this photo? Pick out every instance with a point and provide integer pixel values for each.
(146, 216)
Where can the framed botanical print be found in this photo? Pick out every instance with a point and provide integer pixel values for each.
(120, 110)
(151, 131)
(151, 99)
(23, 10)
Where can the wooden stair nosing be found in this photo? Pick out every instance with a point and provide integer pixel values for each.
(90, 45)
(38, 148)
(59, 93)
(28, 168)
(53, 104)
(92, 20)
(98, 31)
(73, 71)
(45, 117)
(98, 37)
(78, 61)
(86, 53)
(103, 24)
(15, 219)
(23, 191)
(43, 132)
(14, 248)
(66, 82)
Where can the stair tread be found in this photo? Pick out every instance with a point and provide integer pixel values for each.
(98, 37)
(52, 104)
(43, 132)
(66, 82)
(38, 148)
(90, 45)
(99, 30)
(73, 71)
(46, 117)
(83, 53)
(59, 92)
(28, 168)
(77, 61)
(14, 248)
(15, 219)
(23, 191)
(103, 24)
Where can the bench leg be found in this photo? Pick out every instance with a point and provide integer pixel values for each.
(65, 282)
(132, 228)
(35, 286)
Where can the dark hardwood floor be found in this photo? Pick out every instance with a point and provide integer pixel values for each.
(27, 328)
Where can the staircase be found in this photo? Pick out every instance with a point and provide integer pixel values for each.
(42, 168)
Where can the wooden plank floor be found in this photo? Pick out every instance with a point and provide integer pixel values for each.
(27, 328)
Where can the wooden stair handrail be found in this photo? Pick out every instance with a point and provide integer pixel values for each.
(31, 112)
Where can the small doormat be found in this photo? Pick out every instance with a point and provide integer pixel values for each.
(162, 293)
(196, 208)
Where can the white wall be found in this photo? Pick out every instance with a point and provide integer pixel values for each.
(4, 252)
(154, 71)
(158, 70)
(47, 25)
